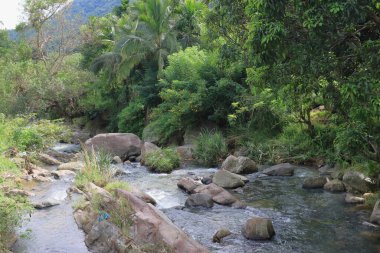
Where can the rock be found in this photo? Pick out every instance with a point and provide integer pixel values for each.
(239, 205)
(334, 186)
(351, 199)
(18, 192)
(116, 160)
(358, 182)
(206, 180)
(105, 237)
(226, 179)
(119, 172)
(38, 171)
(187, 184)
(218, 194)
(239, 165)
(151, 225)
(117, 144)
(61, 156)
(143, 196)
(337, 174)
(73, 166)
(283, 169)
(147, 148)
(199, 199)
(258, 229)
(49, 160)
(375, 216)
(96, 191)
(41, 179)
(314, 182)
(220, 234)
(185, 152)
(368, 195)
(58, 174)
(45, 204)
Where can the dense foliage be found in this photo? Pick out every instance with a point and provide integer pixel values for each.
(282, 80)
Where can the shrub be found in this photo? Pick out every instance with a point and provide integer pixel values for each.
(97, 169)
(210, 147)
(163, 161)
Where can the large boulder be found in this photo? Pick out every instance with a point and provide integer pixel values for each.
(152, 226)
(226, 179)
(258, 229)
(185, 152)
(375, 216)
(218, 194)
(188, 184)
(283, 169)
(147, 148)
(358, 182)
(199, 199)
(334, 186)
(73, 166)
(239, 165)
(123, 145)
(314, 182)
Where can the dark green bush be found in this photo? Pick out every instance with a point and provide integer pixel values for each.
(131, 118)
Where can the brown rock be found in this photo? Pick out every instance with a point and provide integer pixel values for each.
(49, 160)
(352, 199)
(220, 234)
(151, 225)
(219, 195)
(375, 216)
(187, 184)
(185, 152)
(73, 166)
(258, 229)
(314, 182)
(226, 179)
(199, 199)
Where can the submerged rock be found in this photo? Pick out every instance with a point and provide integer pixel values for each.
(358, 182)
(226, 179)
(314, 182)
(123, 145)
(239, 165)
(199, 199)
(283, 169)
(334, 186)
(45, 204)
(220, 234)
(258, 229)
(375, 216)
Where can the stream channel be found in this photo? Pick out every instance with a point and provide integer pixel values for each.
(305, 221)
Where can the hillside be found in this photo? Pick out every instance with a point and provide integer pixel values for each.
(93, 7)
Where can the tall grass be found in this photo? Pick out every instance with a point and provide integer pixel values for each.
(210, 148)
(97, 169)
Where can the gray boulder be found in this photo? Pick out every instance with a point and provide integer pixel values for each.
(358, 182)
(334, 186)
(73, 166)
(258, 229)
(283, 169)
(226, 179)
(375, 216)
(185, 152)
(123, 145)
(239, 165)
(199, 199)
(188, 184)
(314, 182)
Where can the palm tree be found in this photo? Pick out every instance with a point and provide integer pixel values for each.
(150, 37)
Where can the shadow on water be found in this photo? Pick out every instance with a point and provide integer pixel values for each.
(305, 220)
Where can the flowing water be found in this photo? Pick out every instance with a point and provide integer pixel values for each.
(51, 230)
(305, 220)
